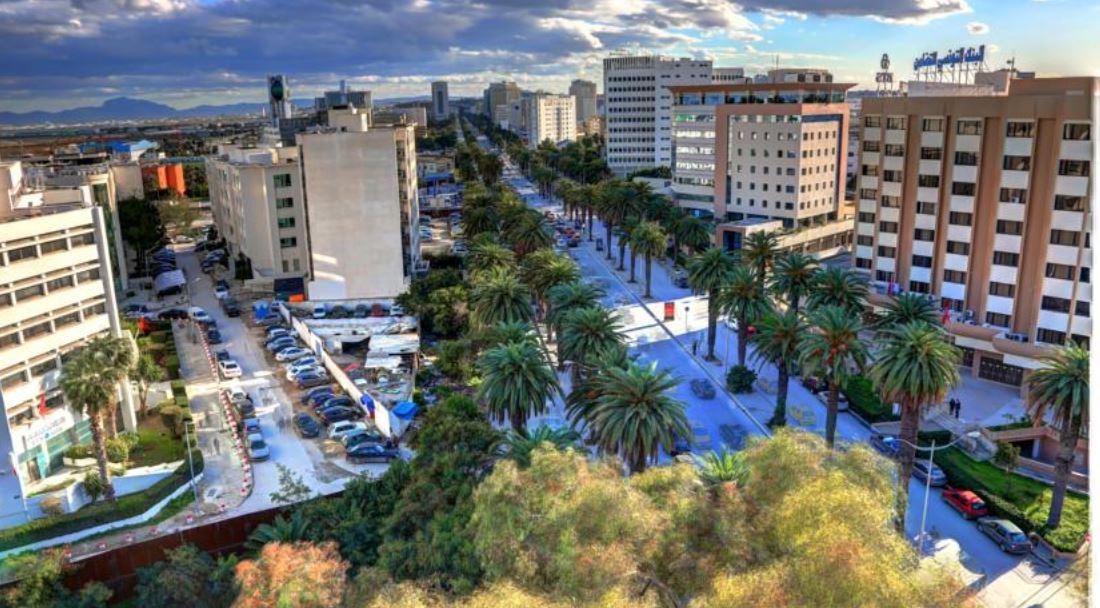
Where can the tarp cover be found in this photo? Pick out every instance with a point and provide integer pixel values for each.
(169, 280)
(405, 410)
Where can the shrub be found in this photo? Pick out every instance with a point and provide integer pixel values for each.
(118, 450)
(79, 451)
(160, 336)
(1007, 456)
(94, 485)
(51, 506)
(172, 364)
(740, 379)
(132, 440)
(865, 401)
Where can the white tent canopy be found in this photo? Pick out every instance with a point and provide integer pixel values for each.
(166, 281)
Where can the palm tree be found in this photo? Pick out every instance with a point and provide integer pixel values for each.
(590, 201)
(146, 372)
(487, 256)
(626, 228)
(1061, 387)
(586, 332)
(721, 468)
(543, 269)
(516, 382)
(582, 395)
(634, 416)
(915, 366)
(743, 300)
(508, 332)
(519, 447)
(564, 299)
(649, 241)
(709, 272)
(778, 339)
(829, 350)
(90, 382)
(616, 203)
(909, 307)
(693, 233)
(280, 530)
(529, 232)
(793, 276)
(841, 287)
(479, 220)
(759, 251)
(499, 297)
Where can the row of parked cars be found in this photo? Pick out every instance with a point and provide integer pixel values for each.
(249, 424)
(1007, 535)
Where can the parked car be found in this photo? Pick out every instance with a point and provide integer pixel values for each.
(172, 313)
(922, 472)
(339, 414)
(222, 355)
(292, 353)
(887, 445)
(250, 426)
(307, 426)
(370, 453)
(397, 310)
(221, 291)
(213, 336)
(306, 361)
(317, 391)
(230, 306)
(1009, 537)
(813, 384)
(229, 369)
(338, 430)
(311, 380)
(338, 401)
(574, 242)
(362, 311)
(460, 248)
(319, 311)
(294, 373)
(702, 388)
(276, 331)
(199, 315)
(338, 312)
(966, 502)
(680, 279)
(257, 449)
(245, 409)
(279, 344)
(136, 311)
(236, 394)
(351, 440)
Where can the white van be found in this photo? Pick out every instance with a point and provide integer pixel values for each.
(319, 311)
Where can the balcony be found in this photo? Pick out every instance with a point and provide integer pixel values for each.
(1017, 344)
(968, 328)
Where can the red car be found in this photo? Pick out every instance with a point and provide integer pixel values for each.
(966, 502)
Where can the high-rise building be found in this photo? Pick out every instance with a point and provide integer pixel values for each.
(343, 96)
(441, 101)
(551, 117)
(278, 97)
(638, 107)
(584, 92)
(982, 203)
(500, 94)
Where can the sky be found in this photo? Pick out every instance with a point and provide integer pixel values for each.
(57, 54)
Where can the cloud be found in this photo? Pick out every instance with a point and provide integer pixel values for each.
(977, 28)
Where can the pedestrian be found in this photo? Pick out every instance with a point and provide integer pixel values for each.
(958, 408)
(694, 347)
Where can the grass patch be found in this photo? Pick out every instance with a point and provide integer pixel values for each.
(61, 485)
(157, 444)
(1021, 499)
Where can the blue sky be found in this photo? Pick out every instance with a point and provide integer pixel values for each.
(65, 53)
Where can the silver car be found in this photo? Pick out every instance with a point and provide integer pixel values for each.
(257, 448)
(922, 472)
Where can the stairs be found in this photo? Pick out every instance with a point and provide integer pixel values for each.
(979, 448)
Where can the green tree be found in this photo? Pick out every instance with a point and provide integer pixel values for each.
(282, 529)
(793, 277)
(778, 341)
(564, 299)
(499, 297)
(616, 202)
(722, 467)
(915, 366)
(841, 287)
(709, 272)
(759, 252)
(40, 575)
(90, 382)
(907, 308)
(487, 256)
(146, 372)
(693, 233)
(520, 447)
(586, 332)
(292, 489)
(1061, 389)
(744, 300)
(543, 270)
(188, 578)
(529, 232)
(516, 382)
(649, 241)
(830, 350)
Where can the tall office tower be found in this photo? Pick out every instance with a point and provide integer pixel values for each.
(638, 107)
(584, 92)
(278, 96)
(551, 117)
(982, 202)
(751, 151)
(441, 101)
(500, 94)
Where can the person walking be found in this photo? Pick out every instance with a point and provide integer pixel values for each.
(958, 408)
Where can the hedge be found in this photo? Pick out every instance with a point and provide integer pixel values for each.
(863, 399)
(100, 513)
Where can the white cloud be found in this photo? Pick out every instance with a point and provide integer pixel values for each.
(977, 28)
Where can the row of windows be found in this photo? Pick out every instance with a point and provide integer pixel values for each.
(33, 251)
(1070, 131)
(37, 290)
(19, 377)
(1053, 304)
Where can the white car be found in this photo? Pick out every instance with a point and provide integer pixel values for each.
(310, 360)
(229, 369)
(347, 427)
(257, 448)
(293, 373)
(290, 354)
(236, 394)
(221, 292)
(319, 311)
(199, 315)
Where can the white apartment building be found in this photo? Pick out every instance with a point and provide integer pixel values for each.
(551, 118)
(584, 92)
(441, 101)
(56, 292)
(638, 107)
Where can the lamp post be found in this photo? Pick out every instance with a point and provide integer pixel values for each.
(730, 328)
(928, 477)
(190, 460)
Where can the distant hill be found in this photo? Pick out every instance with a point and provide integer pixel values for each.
(124, 108)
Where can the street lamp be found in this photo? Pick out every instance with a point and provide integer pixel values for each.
(928, 477)
(190, 461)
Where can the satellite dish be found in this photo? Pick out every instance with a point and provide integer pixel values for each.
(884, 62)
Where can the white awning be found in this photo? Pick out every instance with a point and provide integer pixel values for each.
(169, 280)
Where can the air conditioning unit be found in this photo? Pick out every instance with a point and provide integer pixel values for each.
(1016, 337)
(970, 314)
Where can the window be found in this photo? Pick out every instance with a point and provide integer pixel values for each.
(919, 287)
(865, 240)
(85, 239)
(1064, 202)
(28, 292)
(1054, 304)
(895, 150)
(1010, 227)
(1059, 271)
(869, 170)
(59, 283)
(884, 275)
(922, 261)
(286, 222)
(1081, 309)
(1004, 290)
(895, 122)
(22, 253)
(969, 127)
(36, 330)
(871, 146)
(9, 340)
(282, 180)
(931, 153)
(968, 159)
(867, 193)
(926, 208)
(284, 203)
(44, 368)
(13, 380)
(92, 311)
(868, 218)
(1079, 168)
(959, 218)
(892, 202)
(88, 275)
(963, 188)
(1017, 163)
(288, 242)
(891, 227)
(958, 247)
(998, 319)
(954, 276)
(1064, 237)
(872, 121)
(1050, 336)
(1006, 258)
(1077, 131)
(891, 176)
(886, 252)
(64, 320)
(1013, 195)
(5, 299)
(1020, 129)
(863, 263)
(931, 125)
(52, 246)
(928, 181)
(924, 234)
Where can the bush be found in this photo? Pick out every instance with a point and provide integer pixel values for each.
(132, 440)
(160, 336)
(118, 450)
(739, 379)
(172, 364)
(863, 399)
(79, 451)
(94, 485)
(51, 506)
(1007, 456)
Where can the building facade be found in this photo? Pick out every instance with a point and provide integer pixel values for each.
(551, 118)
(441, 101)
(500, 94)
(584, 94)
(982, 203)
(638, 107)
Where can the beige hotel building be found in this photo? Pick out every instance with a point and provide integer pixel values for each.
(983, 204)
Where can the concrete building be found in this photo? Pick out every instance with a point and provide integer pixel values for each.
(584, 92)
(638, 107)
(56, 292)
(128, 180)
(500, 94)
(278, 98)
(982, 202)
(441, 101)
(342, 97)
(729, 76)
(168, 176)
(414, 115)
(551, 117)
(792, 75)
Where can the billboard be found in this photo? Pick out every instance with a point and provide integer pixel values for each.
(951, 58)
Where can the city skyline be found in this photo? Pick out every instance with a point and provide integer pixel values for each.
(191, 52)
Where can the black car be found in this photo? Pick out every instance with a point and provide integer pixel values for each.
(308, 396)
(337, 414)
(361, 311)
(311, 380)
(371, 453)
(246, 409)
(354, 439)
(172, 313)
(222, 355)
(337, 401)
(231, 307)
(307, 426)
(214, 336)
